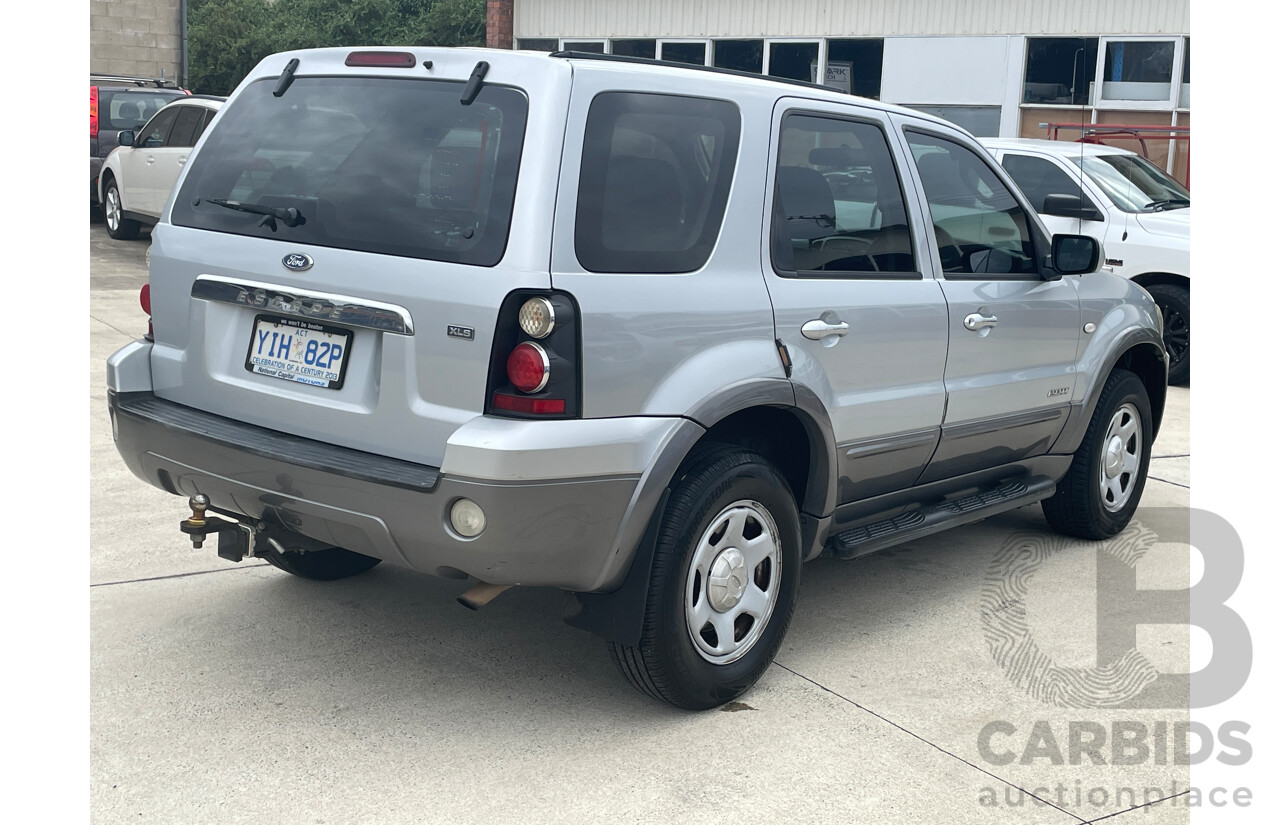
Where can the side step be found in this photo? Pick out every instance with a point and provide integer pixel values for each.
(937, 517)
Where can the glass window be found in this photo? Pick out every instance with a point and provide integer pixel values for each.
(739, 55)
(1060, 70)
(130, 110)
(1134, 183)
(185, 128)
(155, 132)
(694, 53)
(540, 44)
(1138, 70)
(979, 226)
(794, 61)
(592, 46)
(635, 48)
(979, 121)
(1038, 178)
(862, 59)
(392, 166)
(838, 206)
(655, 178)
(204, 123)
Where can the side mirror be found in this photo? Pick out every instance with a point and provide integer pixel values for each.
(1070, 206)
(126, 137)
(1076, 254)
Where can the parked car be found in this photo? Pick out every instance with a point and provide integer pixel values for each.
(138, 176)
(602, 324)
(1141, 216)
(118, 103)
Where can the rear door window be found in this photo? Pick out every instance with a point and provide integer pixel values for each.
(838, 205)
(186, 127)
(655, 178)
(393, 166)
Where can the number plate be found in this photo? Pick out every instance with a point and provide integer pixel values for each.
(294, 349)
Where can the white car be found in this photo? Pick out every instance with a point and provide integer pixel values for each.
(1141, 216)
(138, 176)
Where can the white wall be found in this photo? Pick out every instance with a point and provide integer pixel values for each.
(846, 18)
(969, 71)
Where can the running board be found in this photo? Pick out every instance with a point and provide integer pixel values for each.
(934, 518)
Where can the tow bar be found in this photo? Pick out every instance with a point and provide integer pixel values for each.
(235, 540)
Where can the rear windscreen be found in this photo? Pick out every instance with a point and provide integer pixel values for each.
(131, 110)
(393, 166)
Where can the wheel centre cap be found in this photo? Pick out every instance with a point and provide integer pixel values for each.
(1114, 459)
(727, 579)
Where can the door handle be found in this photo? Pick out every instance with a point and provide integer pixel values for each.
(151, 159)
(976, 322)
(182, 160)
(816, 330)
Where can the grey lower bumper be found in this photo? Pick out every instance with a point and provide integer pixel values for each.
(578, 534)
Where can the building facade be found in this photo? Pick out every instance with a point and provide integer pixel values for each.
(1010, 68)
(142, 38)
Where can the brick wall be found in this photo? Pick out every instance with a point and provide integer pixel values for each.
(136, 37)
(498, 24)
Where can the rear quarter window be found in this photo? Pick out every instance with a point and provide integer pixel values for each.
(656, 171)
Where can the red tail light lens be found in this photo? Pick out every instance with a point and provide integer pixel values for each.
(528, 367)
(389, 60)
(144, 298)
(524, 404)
(93, 111)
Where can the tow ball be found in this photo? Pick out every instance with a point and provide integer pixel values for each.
(235, 540)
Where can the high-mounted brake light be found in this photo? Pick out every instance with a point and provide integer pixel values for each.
(93, 111)
(386, 60)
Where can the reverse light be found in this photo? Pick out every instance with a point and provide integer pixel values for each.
(537, 317)
(386, 60)
(528, 367)
(467, 518)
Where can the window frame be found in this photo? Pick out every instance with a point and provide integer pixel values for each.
(1166, 104)
(774, 201)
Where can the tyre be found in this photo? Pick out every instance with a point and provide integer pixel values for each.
(1100, 492)
(329, 564)
(1175, 306)
(118, 226)
(725, 577)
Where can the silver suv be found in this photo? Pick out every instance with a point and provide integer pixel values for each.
(649, 334)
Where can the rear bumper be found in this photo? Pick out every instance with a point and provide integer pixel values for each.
(577, 532)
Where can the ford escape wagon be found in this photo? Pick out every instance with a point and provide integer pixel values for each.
(651, 335)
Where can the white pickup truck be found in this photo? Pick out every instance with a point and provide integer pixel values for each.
(1141, 216)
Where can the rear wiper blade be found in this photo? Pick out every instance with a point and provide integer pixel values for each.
(288, 216)
(1158, 205)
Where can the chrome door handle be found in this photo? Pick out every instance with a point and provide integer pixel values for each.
(976, 322)
(182, 160)
(818, 329)
(151, 160)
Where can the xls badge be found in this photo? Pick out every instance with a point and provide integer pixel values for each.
(297, 261)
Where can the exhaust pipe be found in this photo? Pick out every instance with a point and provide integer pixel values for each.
(480, 594)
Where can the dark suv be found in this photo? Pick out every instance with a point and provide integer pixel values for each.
(116, 103)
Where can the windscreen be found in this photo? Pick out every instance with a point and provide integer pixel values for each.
(385, 165)
(1134, 183)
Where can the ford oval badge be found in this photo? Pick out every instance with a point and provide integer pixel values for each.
(297, 261)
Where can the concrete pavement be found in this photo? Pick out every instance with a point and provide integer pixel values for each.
(229, 693)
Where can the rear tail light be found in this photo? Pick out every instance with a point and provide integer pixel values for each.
(144, 299)
(534, 367)
(93, 111)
